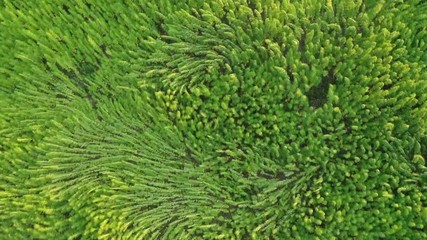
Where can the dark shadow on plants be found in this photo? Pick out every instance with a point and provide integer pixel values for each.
(318, 95)
(85, 69)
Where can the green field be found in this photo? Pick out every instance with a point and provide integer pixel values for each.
(218, 119)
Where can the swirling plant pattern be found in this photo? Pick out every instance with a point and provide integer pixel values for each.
(222, 119)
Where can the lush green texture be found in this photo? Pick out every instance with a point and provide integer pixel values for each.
(229, 119)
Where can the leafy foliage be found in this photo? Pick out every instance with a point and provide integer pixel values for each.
(247, 119)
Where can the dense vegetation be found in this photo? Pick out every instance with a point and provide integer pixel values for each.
(222, 119)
